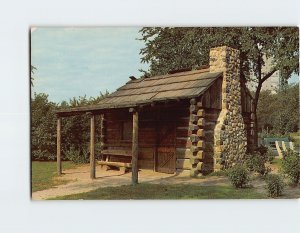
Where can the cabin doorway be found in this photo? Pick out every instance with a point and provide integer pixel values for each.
(165, 151)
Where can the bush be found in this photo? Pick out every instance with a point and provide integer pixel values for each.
(239, 176)
(270, 156)
(291, 166)
(262, 150)
(275, 185)
(77, 156)
(256, 162)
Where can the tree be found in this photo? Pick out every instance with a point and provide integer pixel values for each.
(43, 128)
(75, 130)
(279, 112)
(177, 48)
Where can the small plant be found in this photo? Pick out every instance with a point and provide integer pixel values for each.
(291, 166)
(270, 156)
(239, 176)
(256, 162)
(274, 185)
(262, 150)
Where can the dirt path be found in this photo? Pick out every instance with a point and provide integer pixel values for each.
(80, 181)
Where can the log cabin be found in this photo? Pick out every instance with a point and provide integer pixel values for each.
(197, 121)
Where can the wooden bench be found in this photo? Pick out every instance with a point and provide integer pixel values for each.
(123, 166)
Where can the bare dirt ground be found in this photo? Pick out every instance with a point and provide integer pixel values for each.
(80, 182)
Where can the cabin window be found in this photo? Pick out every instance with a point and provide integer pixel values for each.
(126, 130)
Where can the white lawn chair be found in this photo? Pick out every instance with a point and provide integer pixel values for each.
(278, 149)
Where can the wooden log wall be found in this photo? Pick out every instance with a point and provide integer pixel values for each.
(150, 119)
(198, 133)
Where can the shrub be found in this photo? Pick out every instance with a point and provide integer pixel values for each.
(256, 162)
(274, 185)
(262, 150)
(270, 155)
(291, 166)
(77, 156)
(238, 175)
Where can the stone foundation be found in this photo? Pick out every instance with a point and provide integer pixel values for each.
(230, 141)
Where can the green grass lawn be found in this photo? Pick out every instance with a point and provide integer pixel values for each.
(44, 174)
(158, 191)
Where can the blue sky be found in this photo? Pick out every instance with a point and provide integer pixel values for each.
(74, 62)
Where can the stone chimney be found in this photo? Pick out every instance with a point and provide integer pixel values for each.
(230, 141)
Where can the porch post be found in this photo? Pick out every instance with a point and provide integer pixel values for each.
(134, 161)
(58, 142)
(92, 149)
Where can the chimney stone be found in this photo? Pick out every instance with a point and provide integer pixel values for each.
(230, 121)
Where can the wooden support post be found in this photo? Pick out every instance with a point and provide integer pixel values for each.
(92, 149)
(134, 161)
(58, 143)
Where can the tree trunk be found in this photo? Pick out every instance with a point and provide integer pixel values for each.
(255, 103)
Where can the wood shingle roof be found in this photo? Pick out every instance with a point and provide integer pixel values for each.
(175, 86)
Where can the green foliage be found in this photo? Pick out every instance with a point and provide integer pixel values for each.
(75, 129)
(270, 155)
(43, 128)
(278, 113)
(171, 48)
(256, 162)
(77, 156)
(262, 150)
(295, 137)
(291, 166)
(274, 185)
(238, 175)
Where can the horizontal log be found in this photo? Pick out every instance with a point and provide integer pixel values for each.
(193, 118)
(193, 127)
(182, 133)
(201, 113)
(117, 152)
(183, 164)
(199, 166)
(183, 171)
(201, 122)
(194, 160)
(183, 153)
(199, 155)
(115, 164)
(194, 149)
(201, 144)
(194, 138)
(193, 108)
(146, 164)
(201, 133)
